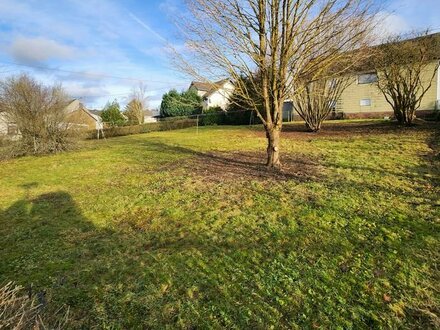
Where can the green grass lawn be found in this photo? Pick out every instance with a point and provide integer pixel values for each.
(178, 229)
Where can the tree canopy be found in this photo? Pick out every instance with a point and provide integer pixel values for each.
(112, 114)
(281, 40)
(176, 104)
(134, 111)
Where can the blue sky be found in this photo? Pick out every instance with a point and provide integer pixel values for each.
(92, 46)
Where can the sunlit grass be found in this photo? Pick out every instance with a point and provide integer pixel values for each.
(138, 232)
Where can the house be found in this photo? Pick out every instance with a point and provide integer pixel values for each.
(215, 94)
(80, 116)
(7, 127)
(77, 115)
(362, 98)
(149, 116)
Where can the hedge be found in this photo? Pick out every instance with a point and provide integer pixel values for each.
(163, 125)
(229, 118)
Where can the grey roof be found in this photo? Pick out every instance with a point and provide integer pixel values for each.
(96, 112)
(209, 88)
(148, 113)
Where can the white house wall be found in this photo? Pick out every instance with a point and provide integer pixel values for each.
(3, 124)
(221, 97)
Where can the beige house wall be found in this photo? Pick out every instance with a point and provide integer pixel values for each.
(350, 101)
(81, 117)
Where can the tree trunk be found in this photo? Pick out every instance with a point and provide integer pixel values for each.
(313, 127)
(273, 148)
(411, 115)
(399, 116)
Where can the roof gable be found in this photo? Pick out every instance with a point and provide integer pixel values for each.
(209, 88)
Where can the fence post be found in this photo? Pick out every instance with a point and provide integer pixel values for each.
(197, 127)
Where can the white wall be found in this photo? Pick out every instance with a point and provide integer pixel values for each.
(221, 97)
(3, 124)
(149, 119)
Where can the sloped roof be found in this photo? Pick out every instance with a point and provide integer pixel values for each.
(95, 112)
(434, 51)
(210, 88)
(87, 111)
(433, 39)
(201, 86)
(148, 113)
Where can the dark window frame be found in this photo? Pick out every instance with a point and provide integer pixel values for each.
(12, 129)
(368, 78)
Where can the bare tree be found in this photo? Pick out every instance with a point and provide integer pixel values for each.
(39, 113)
(266, 46)
(406, 69)
(134, 112)
(134, 109)
(315, 100)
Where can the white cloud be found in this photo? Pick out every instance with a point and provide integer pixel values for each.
(37, 50)
(389, 24)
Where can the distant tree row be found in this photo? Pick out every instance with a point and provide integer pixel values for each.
(134, 113)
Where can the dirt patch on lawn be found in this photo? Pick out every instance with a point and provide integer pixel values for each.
(240, 166)
(341, 129)
(220, 166)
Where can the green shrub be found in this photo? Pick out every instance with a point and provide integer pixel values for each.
(215, 117)
(175, 104)
(163, 125)
(112, 115)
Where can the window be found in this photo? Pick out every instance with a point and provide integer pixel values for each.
(12, 129)
(365, 102)
(333, 104)
(367, 78)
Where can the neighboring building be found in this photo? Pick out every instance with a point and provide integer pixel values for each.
(7, 127)
(149, 117)
(215, 94)
(76, 114)
(80, 116)
(288, 111)
(362, 99)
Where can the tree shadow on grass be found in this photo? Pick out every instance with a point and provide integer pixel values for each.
(350, 129)
(220, 166)
(150, 270)
(35, 232)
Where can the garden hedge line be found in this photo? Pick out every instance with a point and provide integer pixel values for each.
(163, 125)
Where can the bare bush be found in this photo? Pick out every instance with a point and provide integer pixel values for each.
(403, 67)
(324, 78)
(138, 103)
(39, 113)
(315, 100)
(19, 311)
